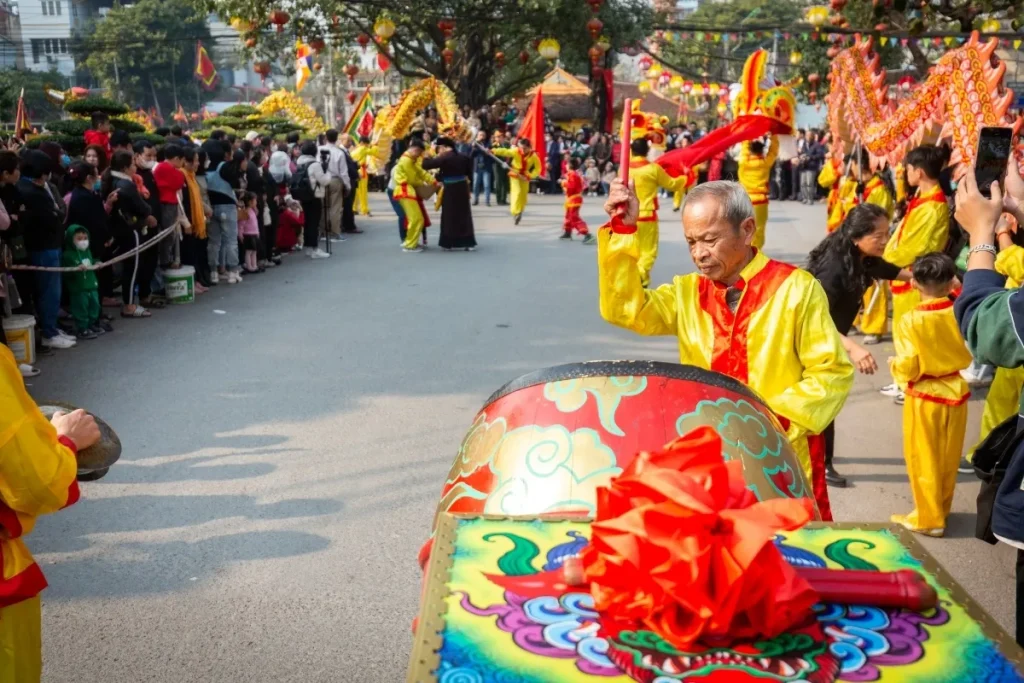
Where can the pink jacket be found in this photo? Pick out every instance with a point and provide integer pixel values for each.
(247, 224)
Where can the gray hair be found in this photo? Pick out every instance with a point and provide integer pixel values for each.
(733, 202)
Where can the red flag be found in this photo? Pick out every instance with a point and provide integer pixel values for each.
(532, 129)
(21, 122)
(744, 128)
(206, 72)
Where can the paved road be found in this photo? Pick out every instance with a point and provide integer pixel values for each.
(283, 459)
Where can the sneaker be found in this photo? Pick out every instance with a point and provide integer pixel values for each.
(234, 278)
(337, 238)
(903, 522)
(518, 217)
(106, 326)
(28, 370)
(589, 239)
(214, 277)
(890, 390)
(97, 330)
(872, 339)
(965, 466)
(86, 334)
(66, 335)
(566, 236)
(269, 264)
(414, 250)
(276, 260)
(319, 253)
(899, 399)
(58, 342)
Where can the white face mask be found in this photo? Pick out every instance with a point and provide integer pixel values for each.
(206, 164)
(82, 245)
(145, 163)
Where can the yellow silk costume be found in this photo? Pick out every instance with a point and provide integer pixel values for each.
(361, 155)
(754, 174)
(408, 175)
(1003, 400)
(930, 353)
(648, 177)
(874, 316)
(37, 477)
(522, 170)
(841, 190)
(781, 309)
(924, 229)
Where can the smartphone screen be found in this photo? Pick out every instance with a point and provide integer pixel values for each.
(993, 153)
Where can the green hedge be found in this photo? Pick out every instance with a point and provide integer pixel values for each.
(70, 127)
(222, 121)
(74, 146)
(240, 111)
(151, 137)
(127, 125)
(87, 105)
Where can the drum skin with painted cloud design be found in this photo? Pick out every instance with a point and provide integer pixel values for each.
(545, 442)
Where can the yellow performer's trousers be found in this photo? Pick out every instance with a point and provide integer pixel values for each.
(874, 317)
(677, 199)
(1002, 402)
(761, 221)
(933, 438)
(21, 642)
(519, 190)
(647, 236)
(414, 222)
(363, 197)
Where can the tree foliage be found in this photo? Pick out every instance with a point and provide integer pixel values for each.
(34, 83)
(143, 53)
(482, 30)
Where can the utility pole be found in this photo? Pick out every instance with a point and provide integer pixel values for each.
(330, 103)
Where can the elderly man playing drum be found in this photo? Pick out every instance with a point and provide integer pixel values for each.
(760, 321)
(37, 477)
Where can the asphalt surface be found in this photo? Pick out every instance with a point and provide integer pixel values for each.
(286, 439)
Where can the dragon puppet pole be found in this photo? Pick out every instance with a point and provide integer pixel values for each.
(485, 151)
(627, 110)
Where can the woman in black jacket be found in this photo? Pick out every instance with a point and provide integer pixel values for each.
(131, 222)
(845, 263)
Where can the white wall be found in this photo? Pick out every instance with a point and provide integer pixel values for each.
(45, 32)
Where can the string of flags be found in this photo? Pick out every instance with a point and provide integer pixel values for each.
(823, 36)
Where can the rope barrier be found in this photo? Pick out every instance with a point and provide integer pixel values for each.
(104, 264)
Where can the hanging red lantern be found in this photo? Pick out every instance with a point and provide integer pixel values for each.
(351, 70)
(813, 79)
(383, 61)
(447, 27)
(317, 66)
(317, 44)
(595, 5)
(363, 40)
(594, 26)
(536, 43)
(351, 97)
(448, 54)
(595, 54)
(838, 5)
(250, 43)
(499, 58)
(262, 68)
(524, 57)
(280, 18)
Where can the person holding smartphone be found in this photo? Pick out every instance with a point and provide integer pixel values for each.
(991, 319)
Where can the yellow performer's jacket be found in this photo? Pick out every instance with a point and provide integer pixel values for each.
(408, 175)
(930, 353)
(33, 481)
(924, 229)
(841, 190)
(755, 171)
(647, 178)
(875, 192)
(781, 307)
(521, 167)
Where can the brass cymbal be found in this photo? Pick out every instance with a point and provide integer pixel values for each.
(93, 462)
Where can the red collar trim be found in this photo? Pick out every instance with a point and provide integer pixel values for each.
(935, 305)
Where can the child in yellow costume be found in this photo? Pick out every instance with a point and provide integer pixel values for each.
(647, 178)
(1003, 400)
(755, 170)
(923, 230)
(361, 155)
(930, 353)
(37, 477)
(524, 166)
(408, 176)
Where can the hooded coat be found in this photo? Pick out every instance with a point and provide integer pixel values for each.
(82, 280)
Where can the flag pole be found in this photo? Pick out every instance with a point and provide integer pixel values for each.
(627, 113)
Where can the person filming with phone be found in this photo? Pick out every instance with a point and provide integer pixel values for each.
(991, 319)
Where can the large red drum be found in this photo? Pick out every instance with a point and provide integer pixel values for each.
(545, 442)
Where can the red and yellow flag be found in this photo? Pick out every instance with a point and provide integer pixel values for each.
(21, 122)
(361, 122)
(206, 72)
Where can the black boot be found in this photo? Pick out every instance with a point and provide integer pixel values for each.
(833, 478)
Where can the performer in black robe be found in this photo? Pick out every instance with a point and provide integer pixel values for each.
(455, 171)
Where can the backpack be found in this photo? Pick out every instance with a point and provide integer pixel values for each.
(298, 185)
